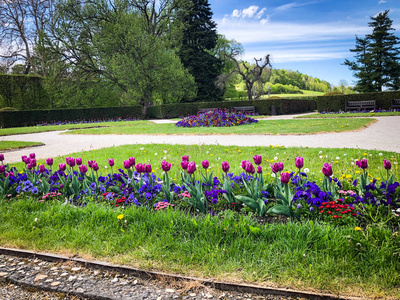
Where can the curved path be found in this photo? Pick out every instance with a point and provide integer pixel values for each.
(383, 135)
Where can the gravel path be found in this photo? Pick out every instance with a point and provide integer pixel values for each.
(382, 135)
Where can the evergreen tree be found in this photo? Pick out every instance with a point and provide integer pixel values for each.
(377, 62)
(199, 38)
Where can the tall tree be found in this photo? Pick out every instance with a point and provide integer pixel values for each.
(377, 63)
(199, 38)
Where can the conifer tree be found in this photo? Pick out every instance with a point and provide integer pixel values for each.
(199, 38)
(377, 56)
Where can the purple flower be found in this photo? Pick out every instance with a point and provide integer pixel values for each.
(95, 166)
(184, 164)
(42, 169)
(32, 155)
(362, 164)
(70, 161)
(111, 162)
(225, 166)
(243, 164)
(62, 167)
(259, 170)
(79, 161)
(27, 160)
(148, 169)
(299, 161)
(257, 159)
(33, 162)
(205, 164)
(249, 168)
(2, 168)
(140, 168)
(90, 163)
(277, 167)
(49, 161)
(29, 166)
(327, 170)
(24, 157)
(165, 166)
(387, 164)
(83, 169)
(191, 168)
(132, 161)
(185, 158)
(127, 164)
(285, 177)
(1, 157)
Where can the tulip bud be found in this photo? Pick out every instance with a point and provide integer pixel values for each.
(165, 166)
(2, 168)
(42, 169)
(111, 162)
(185, 158)
(32, 156)
(62, 167)
(148, 169)
(327, 170)
(205, 164)
(95, 166)
(257, 159)
(79, 161)
(191, 168)
(299, 161)
(1, 157)
(49, 161)
(285, 177)
(225, 166)
(127, 164)
(184, 164)
(259, 170)
(132, 161)
(83, 169)
(387, 164)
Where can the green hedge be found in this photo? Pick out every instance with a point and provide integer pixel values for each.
(33, 117)
(338, 102)
(263, 107)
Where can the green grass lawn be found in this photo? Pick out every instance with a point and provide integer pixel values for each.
(262, 127)
(350, 115)
(34, 129)
(11, 145)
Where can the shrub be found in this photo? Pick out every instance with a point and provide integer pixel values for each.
(333, 93)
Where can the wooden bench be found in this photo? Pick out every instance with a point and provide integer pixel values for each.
(360, 105)
(245, 109)
(395, 104)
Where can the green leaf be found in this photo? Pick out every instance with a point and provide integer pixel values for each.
(281, 210)
(250, 202)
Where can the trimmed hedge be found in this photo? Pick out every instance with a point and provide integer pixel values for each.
(338, 102)
(263, 107)
(34, 117)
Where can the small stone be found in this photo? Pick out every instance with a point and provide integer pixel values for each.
(124, 282)
(2, 274)
(36, 261)
(71, 278)
(2, 266)
(80, 278)
(55, 283)
(63, 274)
(53, 269)
(40, 277)
(209, 296)
(76, 269)
(135, 281)
(36, 268)
(115, 280)
(170, 290)
(55, 273)
(49, 280)
(96, 272)
(80, 290)
(192, 294)
(21, 263)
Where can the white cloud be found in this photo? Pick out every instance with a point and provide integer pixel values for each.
(295, 4)
(382, 2)
(236, 13)
(250, 12)
(261, 13)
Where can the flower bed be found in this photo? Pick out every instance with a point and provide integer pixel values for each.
(91, 121)
(290, 194)
(216, 118)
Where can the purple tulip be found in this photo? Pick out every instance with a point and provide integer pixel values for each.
(111, 162)
(243, 164)
(277, 167)
(257, 159)
(33, 162)
(225, 166)
(1, 157)
(90, 163)
(185, 158)
(2, 168)
(29, 166)
(95, 166)
(327, 170)
(148, 169)
(79, 161)
(24, 157)
(70, 161)
(83, 169)
(184, 164)
(285, 177)
(127, 164)
(49, 161)
(362, 164)
(62, 167)
(42, 169)
(27, 160)
(249, 168)
(165, 166)
(387, 164)
(205, 164)
(132, 161)
(140, 168)
(299, 161)
(259, 170)
(32, 155)
(191, 168)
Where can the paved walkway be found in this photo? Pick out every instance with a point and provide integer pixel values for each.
(383, 135)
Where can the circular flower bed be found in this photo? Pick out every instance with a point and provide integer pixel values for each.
(216, 118)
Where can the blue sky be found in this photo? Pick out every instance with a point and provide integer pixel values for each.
(309, 36)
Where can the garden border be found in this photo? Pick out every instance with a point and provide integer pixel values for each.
(224, 286)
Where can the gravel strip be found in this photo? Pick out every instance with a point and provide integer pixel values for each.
(22, 278)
